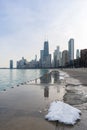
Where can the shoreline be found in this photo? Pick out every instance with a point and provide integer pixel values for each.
(78, 73)
(76, 94)
(17, 113)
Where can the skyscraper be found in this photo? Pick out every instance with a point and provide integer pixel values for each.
(77, 54)
(11, 64)
(45, 57)
(65, 58)
(41, 57)
(56, 57)
(71, 50)
(46, 48)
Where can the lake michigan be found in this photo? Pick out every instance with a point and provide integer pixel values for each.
(12, 77)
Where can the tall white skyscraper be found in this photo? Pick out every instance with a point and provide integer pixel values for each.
(57, 57)
(71, 49)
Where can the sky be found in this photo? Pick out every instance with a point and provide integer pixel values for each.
(26, 24)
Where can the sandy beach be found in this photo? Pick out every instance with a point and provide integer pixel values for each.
(24, 107)
(76, 93)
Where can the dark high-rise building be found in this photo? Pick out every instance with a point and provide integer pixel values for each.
(41, 54)
(83, 57)
(65, 58)
(46, 48)
(45, 57)
(11, 64)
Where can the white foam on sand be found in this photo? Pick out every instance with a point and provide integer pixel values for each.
(62, 112)
(63, 75)
(68, 79)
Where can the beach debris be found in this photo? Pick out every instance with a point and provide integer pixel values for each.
(25, 82)
(4, 89)
(22, 83)
(63, 113)
(45, 109)
(40, 111)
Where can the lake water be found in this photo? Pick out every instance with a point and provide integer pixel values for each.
(10, 78)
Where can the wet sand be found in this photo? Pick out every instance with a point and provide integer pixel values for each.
(24, 107)
(76, 93)
(79, 73)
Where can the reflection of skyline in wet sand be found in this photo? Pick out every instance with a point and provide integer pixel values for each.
(27, 104)
(46, 79)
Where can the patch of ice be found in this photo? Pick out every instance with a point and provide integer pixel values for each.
(63, 113)
(61, 78)
(64, 74)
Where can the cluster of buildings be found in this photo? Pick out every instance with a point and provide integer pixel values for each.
(44, 61)
(60, 59)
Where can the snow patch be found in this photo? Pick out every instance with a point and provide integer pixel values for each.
(63, 113)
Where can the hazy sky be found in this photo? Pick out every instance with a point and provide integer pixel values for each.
(25, 24)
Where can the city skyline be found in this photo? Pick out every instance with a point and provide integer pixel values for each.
(24, 25)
